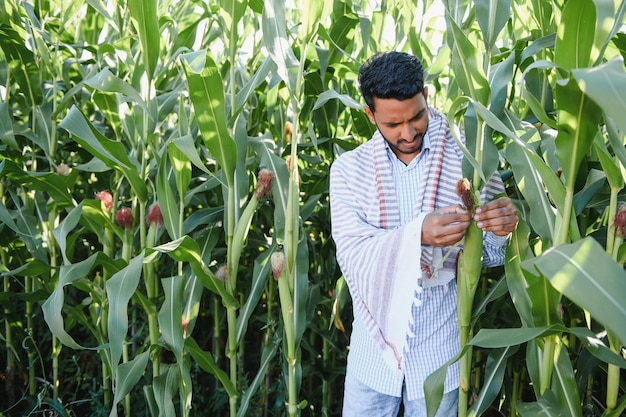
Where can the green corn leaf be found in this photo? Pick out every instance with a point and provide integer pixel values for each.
(29, 269)
(106, 82)
(206, 362)
(52, 307)
(456, 135)
(96, 218)
(537, 93)
(588, 276)
(181, 167)
(127, 376)
(606, 12)
(492, 16)
(596, 346)
(165, 387)
(577, 126)
(207, 95)
(120, 289)
(241, 187)
(25, 226)
(467, 65)
(185, 249)
(615, 140)
(193, 295)
(312, 11)
(7, 135)
(262, 270)
(505, 338)
(545, 299)
(249, 89)
(280, 185)
(516, 252)
(233, 12)
(167, 198)
(476, 129)
(605, 85)
(186, 145)
(171, 315)
(341, 36)
(302, 293)
(575, 35)
(578, 115)
(564, 384)
(277, 44)
(100, 9)
(596, 179)
(531, 185)
(144, 16)
(500, 76)
(269, 351)
(434, 383)
(494, 375)
(65, 228)
(546, 406)
(112, 153)
(55, 405)
(47, 182)
(327, 95)
(501, 338)
(22, 64)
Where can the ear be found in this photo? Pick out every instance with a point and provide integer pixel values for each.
(370, 114)
(425, 93)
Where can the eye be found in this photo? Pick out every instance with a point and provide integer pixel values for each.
(418, 116)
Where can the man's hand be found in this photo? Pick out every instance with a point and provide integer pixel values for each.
(497, 216)
(445, 226)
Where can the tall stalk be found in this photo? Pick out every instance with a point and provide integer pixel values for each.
(8, 333)
(56, 345)
(616, 229)
(468, 275)
(155, 219)
(125, 219)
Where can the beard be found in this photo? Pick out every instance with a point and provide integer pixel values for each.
(418, 138)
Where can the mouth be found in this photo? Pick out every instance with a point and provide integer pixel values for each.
(416, 140)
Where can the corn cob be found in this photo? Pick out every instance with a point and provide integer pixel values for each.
(469, 267)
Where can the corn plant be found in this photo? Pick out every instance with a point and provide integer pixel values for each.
(538, 165)
(109, 110)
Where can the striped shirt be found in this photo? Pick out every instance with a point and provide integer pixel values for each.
(434, 321)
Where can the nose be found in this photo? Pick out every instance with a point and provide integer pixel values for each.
(408, 131)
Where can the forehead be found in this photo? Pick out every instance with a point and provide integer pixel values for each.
(392, 109)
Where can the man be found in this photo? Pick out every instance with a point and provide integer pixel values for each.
(395, 216)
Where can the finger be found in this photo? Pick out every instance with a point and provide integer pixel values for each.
(495, 204)
(500, 225)
(496, 212)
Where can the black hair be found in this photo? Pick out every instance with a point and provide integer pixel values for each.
(396, 75)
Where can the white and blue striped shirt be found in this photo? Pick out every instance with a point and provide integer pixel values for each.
(435, 322)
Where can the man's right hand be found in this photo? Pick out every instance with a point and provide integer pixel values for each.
(445, 226)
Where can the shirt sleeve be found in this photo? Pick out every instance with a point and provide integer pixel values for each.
(494, 249)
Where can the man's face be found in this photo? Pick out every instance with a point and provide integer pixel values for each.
(403, 124)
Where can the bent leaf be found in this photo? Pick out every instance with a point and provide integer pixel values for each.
(112, 153)
(206, 362)
(587, 275)
(120, 289)
(127, 376)
(206, 91)
(52, 307)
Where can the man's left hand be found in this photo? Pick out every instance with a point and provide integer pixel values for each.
(497, 216)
